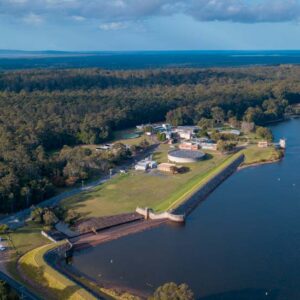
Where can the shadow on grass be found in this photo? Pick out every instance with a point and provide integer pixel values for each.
(35, 277)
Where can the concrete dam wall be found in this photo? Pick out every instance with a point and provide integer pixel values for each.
(187, 206)
(179, 213)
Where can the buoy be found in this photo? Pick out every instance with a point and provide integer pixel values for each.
(111, 261)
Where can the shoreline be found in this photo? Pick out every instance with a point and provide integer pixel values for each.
(113, 233)
(91, 240)
(111, 289)
(257, 164)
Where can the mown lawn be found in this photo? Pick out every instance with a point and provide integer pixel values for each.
(125, 192)
(253, 155)
(34, 267)
(27, 238)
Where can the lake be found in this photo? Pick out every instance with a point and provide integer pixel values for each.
(243, 242)
(147, 59)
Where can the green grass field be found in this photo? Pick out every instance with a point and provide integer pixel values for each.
(27, 238)
(34, 267)
(254, 155)
(125, 192)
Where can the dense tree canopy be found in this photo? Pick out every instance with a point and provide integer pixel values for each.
(46, 112)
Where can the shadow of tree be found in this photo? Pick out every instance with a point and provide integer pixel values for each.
(35, 277)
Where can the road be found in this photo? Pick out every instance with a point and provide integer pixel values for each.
(18, 219)
(21, 289)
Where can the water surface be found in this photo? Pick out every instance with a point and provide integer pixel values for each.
(243, 242)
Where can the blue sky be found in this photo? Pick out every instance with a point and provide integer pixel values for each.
(149, 24)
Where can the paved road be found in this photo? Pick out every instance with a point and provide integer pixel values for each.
(21, 290)
(17, 219)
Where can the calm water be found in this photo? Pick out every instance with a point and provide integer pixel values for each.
(241, 243)
(147, 59)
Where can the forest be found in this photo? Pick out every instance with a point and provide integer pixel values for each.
(45, 113)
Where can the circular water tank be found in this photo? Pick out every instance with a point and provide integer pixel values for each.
(185, 156)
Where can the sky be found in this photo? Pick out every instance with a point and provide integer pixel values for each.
(119, 25)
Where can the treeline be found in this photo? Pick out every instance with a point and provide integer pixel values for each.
(42, 111)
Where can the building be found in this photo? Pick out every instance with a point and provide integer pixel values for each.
(263, 144)
(167, 167)
(104, 147)
(186, 132)
(282, 143)
(231, 131)
(189, 146)
(185, 156)
(144, 165)
(209, 146)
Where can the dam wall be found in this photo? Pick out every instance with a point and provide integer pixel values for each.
(188, 205)
(185, 208)
(149, 214)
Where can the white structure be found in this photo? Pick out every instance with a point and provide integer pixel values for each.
(186, 132)
(104, 147)
(141, 166)
(144, 165)
(282, 143)
(185, 156)
(209, 146)
(231, 131)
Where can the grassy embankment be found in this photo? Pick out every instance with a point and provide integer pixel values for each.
(55, 285)
(125, 192)
(21, 241)
(255, 155)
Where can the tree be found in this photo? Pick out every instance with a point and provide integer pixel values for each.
(49, 217)
(161, 136)
(37, 215)
(173, 291)
(264, 133)
(218, 115)
(225, 146)
(205, 123)
(174, 169)
(247, 127)
(255, 115)
(4, 228)
(6, 293)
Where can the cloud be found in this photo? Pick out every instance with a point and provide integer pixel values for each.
(33, 19)
(115, 11)
(113, 26)
(78, 18)
(245, 11)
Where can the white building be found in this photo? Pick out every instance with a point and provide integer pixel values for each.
(104, 147)
(282, 143)
(209, 146)
(144, 165)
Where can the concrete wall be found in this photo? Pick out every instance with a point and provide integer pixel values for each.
(179, 214)
(149, 214)
(188, 206)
